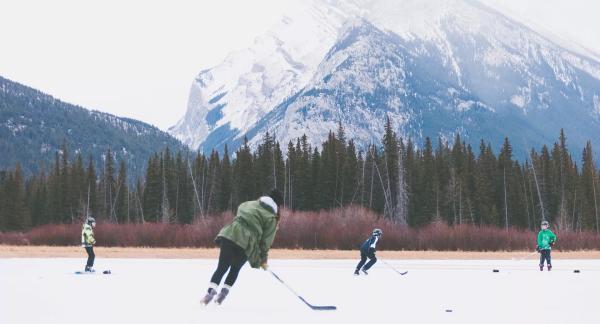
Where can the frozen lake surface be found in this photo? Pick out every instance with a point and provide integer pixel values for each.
(168, 291)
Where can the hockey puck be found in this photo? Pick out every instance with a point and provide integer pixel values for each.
(448, 311)
(576, 271)
(496, 270)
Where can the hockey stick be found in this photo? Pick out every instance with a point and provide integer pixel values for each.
(302, 299)
(390, 266)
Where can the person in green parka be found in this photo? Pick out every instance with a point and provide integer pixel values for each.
(545, 241)
(248, 238)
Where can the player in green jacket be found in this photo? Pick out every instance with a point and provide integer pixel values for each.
(88, 241)
(247, 238)
(545, 241)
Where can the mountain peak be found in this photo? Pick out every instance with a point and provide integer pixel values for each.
(435, 67)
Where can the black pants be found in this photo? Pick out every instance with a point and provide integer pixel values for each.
(545, 255)
(363, 258)
(232, 258)
(91, 256)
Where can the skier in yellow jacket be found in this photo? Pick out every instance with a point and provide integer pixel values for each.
(88, 241)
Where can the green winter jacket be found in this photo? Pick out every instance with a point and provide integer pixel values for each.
(87, 236)
(253, 229)
(545, 238)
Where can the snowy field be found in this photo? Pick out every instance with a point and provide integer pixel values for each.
(168, 291)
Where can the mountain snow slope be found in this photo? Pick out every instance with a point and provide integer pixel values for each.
(436, 68)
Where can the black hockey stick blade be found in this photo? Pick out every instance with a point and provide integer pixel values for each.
(317, 307)
(313, 307)
(390, 266)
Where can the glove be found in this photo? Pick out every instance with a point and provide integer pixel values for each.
(552, 243)
(537, 248)
(264, 266)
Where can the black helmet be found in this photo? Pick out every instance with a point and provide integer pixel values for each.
(377, 232)
(545, 223)
(277, 196)
(90, 220)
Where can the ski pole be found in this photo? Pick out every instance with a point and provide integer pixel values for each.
(391, 267)
(313, 307)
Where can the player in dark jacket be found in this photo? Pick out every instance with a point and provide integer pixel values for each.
(367, 250)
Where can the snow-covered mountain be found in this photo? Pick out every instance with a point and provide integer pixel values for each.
(435, 67)
(34, 126)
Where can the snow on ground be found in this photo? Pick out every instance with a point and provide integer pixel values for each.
(168, 291)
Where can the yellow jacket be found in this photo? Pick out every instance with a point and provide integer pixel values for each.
(87, 236)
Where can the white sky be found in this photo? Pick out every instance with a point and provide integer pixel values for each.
(138, 58)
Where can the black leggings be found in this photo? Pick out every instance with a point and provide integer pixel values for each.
(363, 258)
(545, 255)
(91, 256)
(231, 257)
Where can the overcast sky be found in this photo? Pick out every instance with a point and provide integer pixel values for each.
(138, 58)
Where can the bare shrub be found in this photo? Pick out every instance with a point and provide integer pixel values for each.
(343, 228)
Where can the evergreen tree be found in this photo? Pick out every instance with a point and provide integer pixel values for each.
(185, 191)
(589, 219)
(91, 189)
(122, 196)
(504, 173)
(426, 186)
(213, 183)
(487, 210)
(78, 189)
(55, 193)
(38, 198)
(14, 209)
(244, 175)
(67, 214)
(226, 182)
(107, 187)
(152, 190)
(390, 174)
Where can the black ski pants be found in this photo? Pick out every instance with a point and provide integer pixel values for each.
(545, 255)
(363, 258)
(232, 258)
(91, 256)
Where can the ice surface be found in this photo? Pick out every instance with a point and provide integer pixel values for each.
(168, 291)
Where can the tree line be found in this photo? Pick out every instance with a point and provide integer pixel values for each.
(451, 182)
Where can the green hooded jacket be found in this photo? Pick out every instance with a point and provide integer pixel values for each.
(87, 236)
(253, 229)
(545, 238)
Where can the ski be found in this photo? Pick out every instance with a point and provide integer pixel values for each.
(313, 307)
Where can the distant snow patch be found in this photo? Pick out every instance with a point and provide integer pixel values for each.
(597, 105)
(465, 105)
(518, 101)
(45, 148)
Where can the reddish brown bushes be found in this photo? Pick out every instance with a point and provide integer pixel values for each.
(343, 228)
(346, 228)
